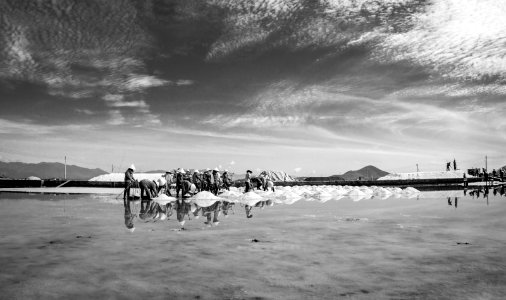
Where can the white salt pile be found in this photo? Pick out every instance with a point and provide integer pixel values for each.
(164, 199)
(205, 199)
(250, 198)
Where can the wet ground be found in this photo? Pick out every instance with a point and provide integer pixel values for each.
(440, 245)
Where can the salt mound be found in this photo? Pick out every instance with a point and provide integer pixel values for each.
(410, 190)
(231, 195)
(164, 199)
(120, 177)
(277, 176)
(356, 192)
(205, 195)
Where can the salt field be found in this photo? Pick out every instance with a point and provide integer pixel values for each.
(304, 243)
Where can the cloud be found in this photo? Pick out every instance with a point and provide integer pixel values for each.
(460, 39)
(116, 118)
(139, 82)
(85, 111)
(297, 170)
(184, 82)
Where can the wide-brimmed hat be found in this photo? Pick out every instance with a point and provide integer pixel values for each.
(249, 171)
(132, 167)
(196, 171)
(161, 181)
(216, 169)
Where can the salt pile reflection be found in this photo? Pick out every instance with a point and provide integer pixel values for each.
(211, 207)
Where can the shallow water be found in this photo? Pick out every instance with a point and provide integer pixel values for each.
(433, 245)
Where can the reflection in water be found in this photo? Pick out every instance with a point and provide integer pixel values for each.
(211, 208)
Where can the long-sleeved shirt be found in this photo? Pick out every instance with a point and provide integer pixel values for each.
(150, 186)
(248, 177)
(195, 178)
(129, 177)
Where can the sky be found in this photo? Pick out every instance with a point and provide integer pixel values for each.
(307, 87)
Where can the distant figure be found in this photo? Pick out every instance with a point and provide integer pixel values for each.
(226, 180)
(208, 180)
(162, 185)
(494, 173)
(449, 201)
(129, 182)
(261, 183)
(196, 180)
(179, 181)
(216, 181)
(485, 176)
(454, 164)
(465, 180)
(501, 174)
(170, 180)
(456, 200)
(247, 182)
(448, 166)
(269, 185)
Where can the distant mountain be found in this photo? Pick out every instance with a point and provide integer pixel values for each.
(46, 170)
(156, 171)
(366, 173)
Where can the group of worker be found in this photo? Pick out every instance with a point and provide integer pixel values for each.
(184, 181)
(208, 180)
(262, 182)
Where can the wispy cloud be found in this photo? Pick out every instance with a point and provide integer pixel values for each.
(457, 39)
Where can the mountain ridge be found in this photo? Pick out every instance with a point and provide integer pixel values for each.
(368, 172)
(46, 170)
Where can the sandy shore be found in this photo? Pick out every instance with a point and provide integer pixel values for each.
(78, 247)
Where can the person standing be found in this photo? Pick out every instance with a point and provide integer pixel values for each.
(247, 181)
(196, 179)
(216, 181)
(501, 174)
(269, 185)
(454, 165)
(261, 181)
(226, 180)
(209, 180)
(179, 181)
(170, 180)
(129, 182)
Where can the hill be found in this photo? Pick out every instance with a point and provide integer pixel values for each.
(46, 170)
(366, 173)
